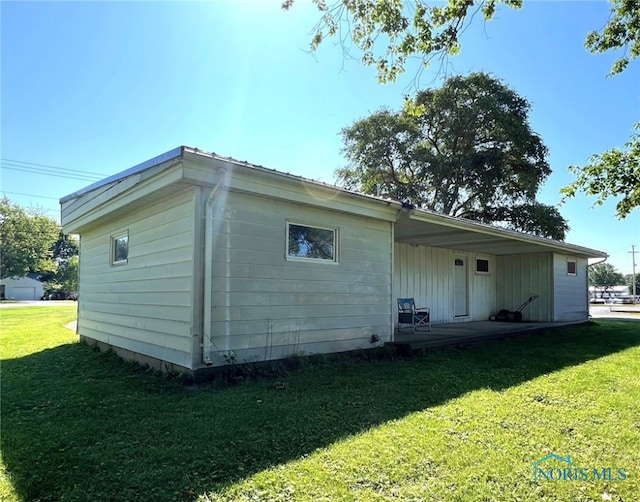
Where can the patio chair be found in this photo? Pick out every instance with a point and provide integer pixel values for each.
(409, 315)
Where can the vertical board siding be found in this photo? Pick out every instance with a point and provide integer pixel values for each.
(571, 302)
(265, 306)
(519, 277)
(426, 274)
(483, 289)
(144, 305)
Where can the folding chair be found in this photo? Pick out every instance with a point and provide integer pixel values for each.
(408, 314)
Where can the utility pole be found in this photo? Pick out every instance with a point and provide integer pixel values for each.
(633, 277)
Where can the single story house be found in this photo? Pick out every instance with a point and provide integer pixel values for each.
(21, 288)
(191, 260)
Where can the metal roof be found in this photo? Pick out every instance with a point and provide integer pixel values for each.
(421, 226)
(147, 164)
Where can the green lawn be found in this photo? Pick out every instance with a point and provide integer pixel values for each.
(457, 424)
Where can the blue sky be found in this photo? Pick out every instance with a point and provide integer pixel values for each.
(101, 86)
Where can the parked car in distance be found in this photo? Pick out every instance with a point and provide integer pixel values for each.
(57, 295)
(73, 296)
(623, 299)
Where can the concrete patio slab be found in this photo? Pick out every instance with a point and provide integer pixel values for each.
(462, 333)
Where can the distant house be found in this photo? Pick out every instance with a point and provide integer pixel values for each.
(191, 260)
(23, 288)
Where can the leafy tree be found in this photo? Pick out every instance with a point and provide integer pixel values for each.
(388, 32)
(65, 247)
(27, 238)
(604, 276)
(629, 281)
(465, 149)
(622, 32)
(65, 256)
(66, 277)
(615, 173)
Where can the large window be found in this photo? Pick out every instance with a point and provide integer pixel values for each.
(120, 249)
(314, 243)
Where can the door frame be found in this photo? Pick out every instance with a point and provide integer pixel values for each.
(465, 259)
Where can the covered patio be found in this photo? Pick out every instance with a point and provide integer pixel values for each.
(465, 271)
(462, 333)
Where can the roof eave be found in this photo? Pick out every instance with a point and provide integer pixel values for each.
(483, 228)
(143, 166)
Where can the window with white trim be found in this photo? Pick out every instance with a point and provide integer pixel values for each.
(572, 267)
(311, 243)
(120, 249)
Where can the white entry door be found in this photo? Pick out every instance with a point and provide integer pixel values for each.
(460, 296)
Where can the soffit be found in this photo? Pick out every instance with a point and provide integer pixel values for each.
(431, 229)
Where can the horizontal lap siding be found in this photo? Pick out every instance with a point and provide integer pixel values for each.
(144, 306)
(267, 307)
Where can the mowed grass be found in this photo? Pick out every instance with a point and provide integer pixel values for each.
(455, 424)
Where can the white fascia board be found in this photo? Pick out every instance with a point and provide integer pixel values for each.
(147, 164)
(116, 197)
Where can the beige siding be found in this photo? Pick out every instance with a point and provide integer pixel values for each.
(145, 305)
(265, 306)
(427, 274)
(571, 302)
(519, 277)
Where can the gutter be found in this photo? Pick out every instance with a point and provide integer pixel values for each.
(597, 262)
(213, 202)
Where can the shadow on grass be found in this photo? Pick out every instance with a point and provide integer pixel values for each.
(81, 425)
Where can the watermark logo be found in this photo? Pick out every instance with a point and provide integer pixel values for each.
(564, 469)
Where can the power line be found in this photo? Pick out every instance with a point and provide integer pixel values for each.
(47, 170)
(47, 166)
(34, 170)
(31, 195)
(26, 169)
(43, 167)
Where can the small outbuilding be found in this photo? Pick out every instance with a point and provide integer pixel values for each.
(21, 289)
(192, 260)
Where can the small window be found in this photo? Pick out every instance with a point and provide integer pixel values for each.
(572, 267)
(482, 266)
(120, 249)
(313, 243)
